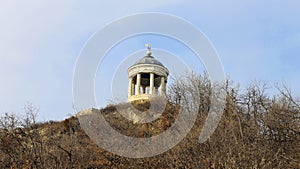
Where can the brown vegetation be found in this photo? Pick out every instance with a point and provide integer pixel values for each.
(256, 131)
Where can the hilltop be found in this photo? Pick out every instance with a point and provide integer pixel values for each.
(65, 145)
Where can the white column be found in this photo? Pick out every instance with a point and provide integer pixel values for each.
(165, 86)
(138, 84)
(132, 88)
(129, 87)
(143, 90)
(162, 86)
(151, 83)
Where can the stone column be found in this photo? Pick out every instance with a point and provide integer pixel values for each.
(162, 86)
(130, 87)
(143, 90)
(165, 86)
(151, 83)
(138, 84)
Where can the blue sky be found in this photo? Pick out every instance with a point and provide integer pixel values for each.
(41, 40)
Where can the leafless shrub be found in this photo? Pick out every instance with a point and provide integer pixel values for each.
(257, 130)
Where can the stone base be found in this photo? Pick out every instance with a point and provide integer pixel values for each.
(142, 98)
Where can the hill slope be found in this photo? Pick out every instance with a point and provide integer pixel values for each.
(237, 143)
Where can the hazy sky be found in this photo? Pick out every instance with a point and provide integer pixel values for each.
(41, 40)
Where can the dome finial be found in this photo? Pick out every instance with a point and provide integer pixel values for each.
(148, 49)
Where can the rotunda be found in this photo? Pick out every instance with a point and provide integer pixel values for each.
(147, 78)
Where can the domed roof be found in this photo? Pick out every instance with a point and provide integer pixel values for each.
(148, 59)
